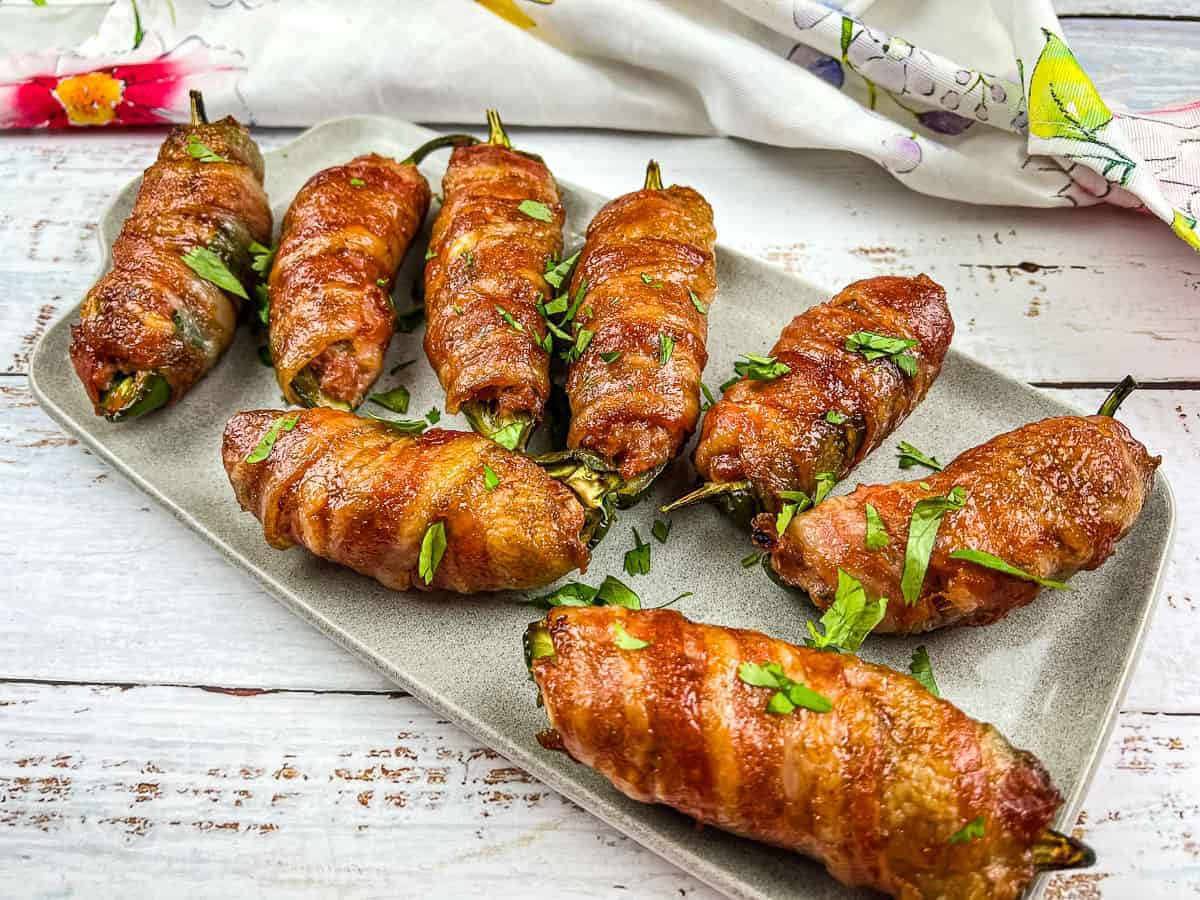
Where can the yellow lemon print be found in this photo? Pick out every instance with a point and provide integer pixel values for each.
(90, 99)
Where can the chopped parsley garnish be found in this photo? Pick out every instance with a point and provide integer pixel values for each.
(536, 210)
(651, 280)
(611, 356)
(430, 254)
(660, 530)
(212, 268)
(748, 561)
(512, 323)
(382, 282)
(357, 182)
(826, 482)
(849, 619)
(789, 695)
(910, 456)
(508, 436)
(468, 258)
(637, 560)
(877, 536)
(666, 346)
(556, 274)
(556, 306)
(433, 416)
(627, 641)
(580, 293)
(709, 400)
(922, 532)
(922, 669)
(261, 257)
(834, 417)
(876, 346)
(262, 297)
(263, 449)
(972, 831)
(759, 368)
(795, 501)
(582, 339)
(491, 480)
(405, 426)
(547, 342)
(696, 302)
(201, 152)
(433, 548)
(988, 561)
(726, 385)
(396, 399)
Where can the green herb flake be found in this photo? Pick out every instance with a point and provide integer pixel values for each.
(709, 400)
(651, 280)
(395, 400)
(212, 268)
(696, 302)
(834, 417)
(910, 456)
(849, 619)
(556, 306)
(572, 594)
(660, 530)
(988, 561)
(433, 548)
(547, 342)
(760, 368)
(201, 152)
(826, 482)
(508, 436)
(557, 274)
(614, 592)
(468, 258)
(627, 641)
(512, 323)
(261, 257)
(402, 365)
(536, 210)
(404, 426)
(263, 449)
(877, 536)
(972, 831)
(748, 561)
(666, 347)
(433, 416)
(611, 356)
(726, 385)
(382, 282)
(873, 345)
(262, 298)
(357, 182)
(922, 669)
(922, 533)
(430, 254)
(637, 560)
(924, 485)
(580, 293)
(491, 480)
(789, 695)
(784, 517)
(582, 339)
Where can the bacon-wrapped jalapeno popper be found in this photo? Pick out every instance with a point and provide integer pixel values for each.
(854, 764)
(443, 510)
(642, 288)
(500, 222)
(828, 395)
(165, 313)
(343, 239)
(1027, 509)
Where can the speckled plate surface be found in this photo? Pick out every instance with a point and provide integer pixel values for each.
(1050, 676)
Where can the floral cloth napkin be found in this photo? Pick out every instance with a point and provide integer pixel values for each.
(980, 102)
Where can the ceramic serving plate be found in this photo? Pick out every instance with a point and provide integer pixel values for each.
(1050, 676)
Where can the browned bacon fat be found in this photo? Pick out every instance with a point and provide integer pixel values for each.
(361, 493)
(1050, 498)
(863, 768)
(500, 222)
(830, 394)
(646, 276)
(343, 238)
(165, 313)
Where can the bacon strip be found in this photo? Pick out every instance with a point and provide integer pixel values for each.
(1050, 498)
(151, 314)
(647, 252)
(875, 788)
(343, 239)
(775, 434)
(363, 494)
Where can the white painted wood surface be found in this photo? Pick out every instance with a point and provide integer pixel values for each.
(165, 727)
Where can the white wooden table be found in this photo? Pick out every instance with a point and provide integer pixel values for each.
(165, 727)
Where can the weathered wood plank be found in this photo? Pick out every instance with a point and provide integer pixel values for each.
(1046, 295)
(295, 793)
(1139, 63)
(1166, 9)
(114, 589)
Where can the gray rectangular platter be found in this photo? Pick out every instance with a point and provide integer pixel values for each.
(1050, 676)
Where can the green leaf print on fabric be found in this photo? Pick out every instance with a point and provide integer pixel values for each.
(1185, 226)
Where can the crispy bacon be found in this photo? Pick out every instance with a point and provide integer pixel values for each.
(775, 433)
(1050, 498)
(363, 494)
(876, 788)
(343, 239)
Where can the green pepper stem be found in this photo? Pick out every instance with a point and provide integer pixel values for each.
(510, 431)
(437, 143)
(1053, 850)
(196, 101)
(496, 133)
(1117, 396)
(538, 643)
(653, 177)
(593, 483)
(134, 395)
(706, 491)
